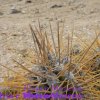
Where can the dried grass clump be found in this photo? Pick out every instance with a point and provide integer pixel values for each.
(68, 68)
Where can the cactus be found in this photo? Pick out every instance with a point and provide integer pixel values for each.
(71, 72)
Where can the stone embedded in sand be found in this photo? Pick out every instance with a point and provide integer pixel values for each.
(14, 10)
(28, 1)
(56, 6)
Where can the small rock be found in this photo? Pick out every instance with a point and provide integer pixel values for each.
(14, 10)
(28, 1)
(14, 35)
(56, 6)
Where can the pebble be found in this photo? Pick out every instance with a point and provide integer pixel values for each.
(14, 10)
(28, 1)
(56, 6)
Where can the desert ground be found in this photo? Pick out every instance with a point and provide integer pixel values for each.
(15, 16)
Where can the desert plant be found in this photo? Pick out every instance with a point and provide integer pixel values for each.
(68, 70)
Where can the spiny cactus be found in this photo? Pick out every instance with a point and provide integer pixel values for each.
(72, 69)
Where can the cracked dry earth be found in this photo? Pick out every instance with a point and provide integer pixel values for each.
(16, 15)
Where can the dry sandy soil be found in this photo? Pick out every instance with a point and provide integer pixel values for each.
(15, 35)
